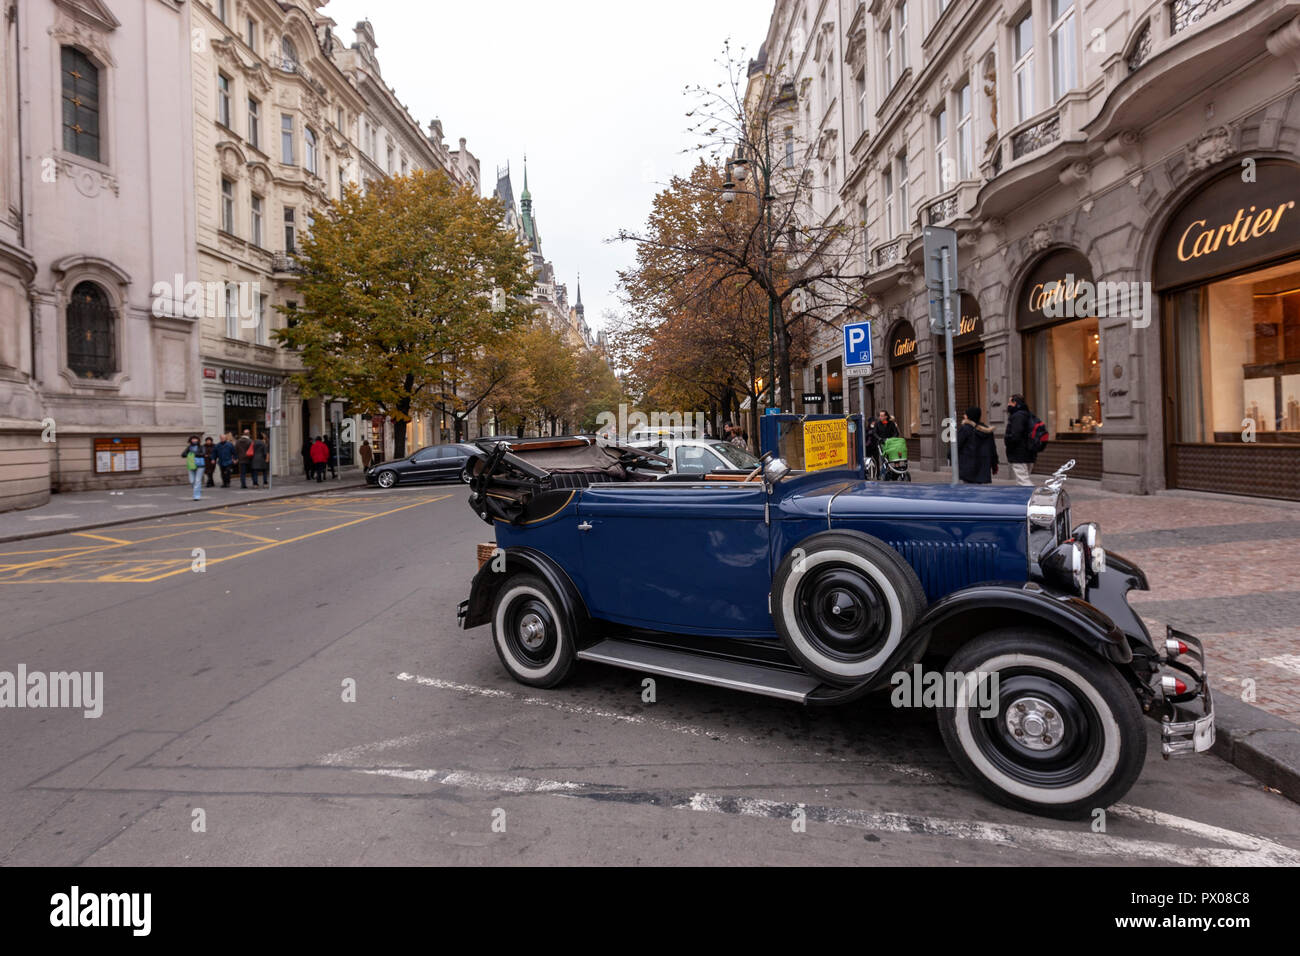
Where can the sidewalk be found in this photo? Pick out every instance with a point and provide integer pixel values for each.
(87, 510)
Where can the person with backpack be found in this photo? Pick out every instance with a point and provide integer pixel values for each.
(194, 463)
(1026, 436)
(244, 457)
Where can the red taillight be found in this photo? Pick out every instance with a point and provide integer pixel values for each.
(1173, 648)
(1172, 685)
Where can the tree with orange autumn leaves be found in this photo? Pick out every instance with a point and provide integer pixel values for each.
(695, 333)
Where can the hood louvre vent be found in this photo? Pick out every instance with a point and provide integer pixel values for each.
(944, 567)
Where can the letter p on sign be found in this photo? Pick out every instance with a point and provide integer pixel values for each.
(857, 344)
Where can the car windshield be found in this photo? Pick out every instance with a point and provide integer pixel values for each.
(734, 454)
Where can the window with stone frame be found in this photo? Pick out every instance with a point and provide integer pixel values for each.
(91, 327)
(81, 104)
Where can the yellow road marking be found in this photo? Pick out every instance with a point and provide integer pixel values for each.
(301, 537)
(100, 537)
(243, 534)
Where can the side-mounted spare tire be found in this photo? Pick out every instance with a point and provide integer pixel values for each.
(842, 601)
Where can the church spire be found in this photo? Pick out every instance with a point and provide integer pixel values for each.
(579, 305)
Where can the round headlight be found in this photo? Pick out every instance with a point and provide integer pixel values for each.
(1089, 535)
(1067, 564)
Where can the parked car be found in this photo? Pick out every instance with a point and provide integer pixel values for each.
(811, 584)
(434, 463)
(698, 456)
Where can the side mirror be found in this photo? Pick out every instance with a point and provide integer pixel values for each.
(775, 470)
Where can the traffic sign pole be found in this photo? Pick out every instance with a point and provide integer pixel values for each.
(948, 270)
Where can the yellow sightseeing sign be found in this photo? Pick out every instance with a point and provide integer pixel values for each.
(825, 444)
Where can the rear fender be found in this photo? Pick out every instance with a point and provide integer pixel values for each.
(490, 577)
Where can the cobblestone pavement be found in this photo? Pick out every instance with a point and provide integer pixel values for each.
(1222, 568)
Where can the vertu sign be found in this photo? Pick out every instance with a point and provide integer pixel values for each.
(1232, 224)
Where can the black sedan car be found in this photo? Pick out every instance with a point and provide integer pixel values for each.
(434, 463)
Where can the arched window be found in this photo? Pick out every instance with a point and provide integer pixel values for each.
(80, 104)
(92, 332)
(288, 55)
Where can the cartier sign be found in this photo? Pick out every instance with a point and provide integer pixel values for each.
(1050, 286)
(970, 326)
(1232, 224)
(902, 344)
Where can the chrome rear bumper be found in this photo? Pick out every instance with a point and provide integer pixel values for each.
(1187, 718)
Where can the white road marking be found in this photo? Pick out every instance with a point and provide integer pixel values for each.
(497, 783)
(690, 730)
(1290, 662)
(1241, 849)
(1246, 851)
(48, 517)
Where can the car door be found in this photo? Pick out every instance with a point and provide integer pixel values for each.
(451, 462)
(677, 557)
(423, 465)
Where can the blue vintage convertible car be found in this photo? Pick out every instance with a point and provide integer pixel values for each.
(803, 581)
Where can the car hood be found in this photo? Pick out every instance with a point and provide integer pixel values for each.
(905, 500)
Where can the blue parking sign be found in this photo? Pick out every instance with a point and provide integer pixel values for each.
(857, 344)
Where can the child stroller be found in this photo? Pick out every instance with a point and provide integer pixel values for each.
(894, 460)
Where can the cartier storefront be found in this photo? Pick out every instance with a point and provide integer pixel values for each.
(1061, 354)
(1227, 270)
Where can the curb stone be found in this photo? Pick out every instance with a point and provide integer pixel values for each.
(1262, 744)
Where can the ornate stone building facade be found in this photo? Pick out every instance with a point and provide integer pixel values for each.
(1076, 150)
(98, 360)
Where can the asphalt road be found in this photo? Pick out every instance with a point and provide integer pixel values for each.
(224, 693)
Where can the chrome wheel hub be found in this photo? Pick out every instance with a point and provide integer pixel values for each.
(532, 631)
(1035, 724)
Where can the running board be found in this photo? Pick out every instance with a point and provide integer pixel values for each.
(684, 665)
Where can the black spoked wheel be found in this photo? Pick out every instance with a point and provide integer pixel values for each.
(530, 635)
(844, 612)
(1045, 726)
(842, 602)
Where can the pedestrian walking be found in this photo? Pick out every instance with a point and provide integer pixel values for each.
(334, 456)
(977, 452)
(367, 455)
(260, 460)
(320, 454)
(209, 461)
(225, 451)
(308, 468)
(193, 455)
(1022, 446)
(243, 457)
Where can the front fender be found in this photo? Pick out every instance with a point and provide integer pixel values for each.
(483, 589)
(972, 611)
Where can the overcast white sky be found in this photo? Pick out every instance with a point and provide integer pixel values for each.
(590, 89)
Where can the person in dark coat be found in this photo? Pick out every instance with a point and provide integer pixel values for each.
(242, 459)
(884, 426)
(261, 460)
(334, 456)
(225, 450)
(308, 468)
(209, 461)
(1019, 454)
(977, 452)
